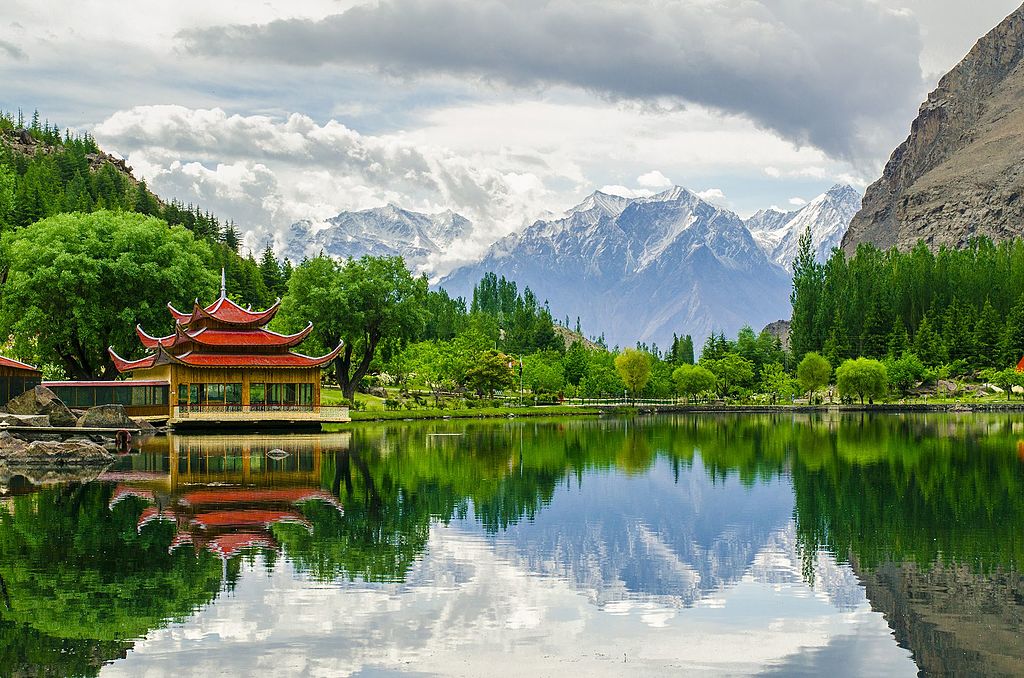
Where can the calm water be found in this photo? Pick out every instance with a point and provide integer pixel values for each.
(730, 545)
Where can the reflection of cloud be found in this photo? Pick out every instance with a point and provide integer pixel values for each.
(463, 609)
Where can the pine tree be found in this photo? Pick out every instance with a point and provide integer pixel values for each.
(899, 340)
(270, 270)
(1012, 344)
(808, 277)
(686, 350)
(986, 338)
(928, 344)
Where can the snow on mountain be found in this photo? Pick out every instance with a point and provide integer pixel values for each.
(828, 216)
(642, 269)
(382, 231)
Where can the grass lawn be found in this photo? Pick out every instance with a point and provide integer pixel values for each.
(476, 413)
(332, 396)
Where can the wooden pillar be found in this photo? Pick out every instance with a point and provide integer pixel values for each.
(245, 390)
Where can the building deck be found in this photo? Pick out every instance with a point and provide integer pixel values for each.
(244, 416)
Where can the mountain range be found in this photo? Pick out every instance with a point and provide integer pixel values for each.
(634, 269)
(382, 231)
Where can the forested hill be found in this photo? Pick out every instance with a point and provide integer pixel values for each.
(45, 171)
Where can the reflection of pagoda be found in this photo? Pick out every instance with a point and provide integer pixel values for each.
(222, 364)
(225, 494)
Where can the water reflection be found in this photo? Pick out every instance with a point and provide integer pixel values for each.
(769, 543)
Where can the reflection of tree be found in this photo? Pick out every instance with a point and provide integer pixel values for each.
(81, 581)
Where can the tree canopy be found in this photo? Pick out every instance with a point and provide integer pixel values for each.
(78, 283)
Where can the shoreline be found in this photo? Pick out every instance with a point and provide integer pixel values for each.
(376, 416)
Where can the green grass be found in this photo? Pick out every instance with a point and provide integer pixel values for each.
(332, 396)
(476, 413)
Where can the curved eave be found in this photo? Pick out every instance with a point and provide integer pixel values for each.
(217, 313)
(323, 360)
(148, 340)
(178, 315)
(123, 365)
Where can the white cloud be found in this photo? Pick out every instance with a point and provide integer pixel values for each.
(654, 179)
(797, 202)
(626, 192)
(712, 195)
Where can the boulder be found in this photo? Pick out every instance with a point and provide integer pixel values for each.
(49, 454)
(106, 416)
(42, 400)
(24, 420)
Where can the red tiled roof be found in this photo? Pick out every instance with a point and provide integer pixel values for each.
(256, 337)
(272, 360)
(123, 365)
(290, 495)
(229, 545)
(237, 518)
(17, 364)
(226, 311)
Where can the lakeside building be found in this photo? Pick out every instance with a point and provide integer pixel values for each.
(221, 366)
(17, 377)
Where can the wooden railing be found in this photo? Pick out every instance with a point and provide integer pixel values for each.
(221, 411)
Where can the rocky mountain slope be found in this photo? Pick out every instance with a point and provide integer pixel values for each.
(828, 216)
(960, 173)
(642, 269)
(382, 231)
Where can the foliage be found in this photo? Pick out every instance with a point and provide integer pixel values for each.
(953, 304)
(78, 283)
(813, 373)
(863, 377)
(634, 368)
(693, 380)
(492, 372)
(731, 371)
(369, 304)
(905, 372)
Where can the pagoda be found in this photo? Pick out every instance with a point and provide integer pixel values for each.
(221, 362)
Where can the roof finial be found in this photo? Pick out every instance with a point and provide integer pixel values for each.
(223, 285)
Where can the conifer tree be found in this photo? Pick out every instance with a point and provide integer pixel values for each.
(986, 338)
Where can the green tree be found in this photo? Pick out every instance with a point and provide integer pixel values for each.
(731, 372)
(493, 371)
(692, 380)
(986, 337)
(863, 377)
(78, 283)
(813, 373)
(775, 381)
(634, 367)
(576, 363)
(905, 372)
(685, 356)
(7, 185)
(366, 303)
(808, 280)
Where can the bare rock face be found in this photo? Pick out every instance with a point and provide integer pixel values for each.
(106, 416)
(780, 329)
(960, 174)
(42, 401)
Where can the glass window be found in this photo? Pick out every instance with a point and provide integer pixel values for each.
(305, 394)
(122, 395)
(289, 394)
(233, 393)
(182, 394)
(257, 394)
(215, 393)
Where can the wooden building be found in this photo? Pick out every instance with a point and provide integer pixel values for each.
(17, 377)
(222, 366)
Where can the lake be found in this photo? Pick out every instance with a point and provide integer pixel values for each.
(847, 545)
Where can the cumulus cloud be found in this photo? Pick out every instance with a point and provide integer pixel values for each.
(797, 202)
(833, 74)
(712, 195)
(654, 179)
(267, 173)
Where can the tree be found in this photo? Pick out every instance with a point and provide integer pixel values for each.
(368, 303)
(808, 278)
(986, 337)
(813, 373)
(634, 367)
(7, 184)
(905, 372)
(692, 380)
(776, 382)
(863, 377)
(493, 371)
(731, 371)
(78, 283)
(575, 363)
(685, 356)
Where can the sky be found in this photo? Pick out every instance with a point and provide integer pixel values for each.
(502, 110)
